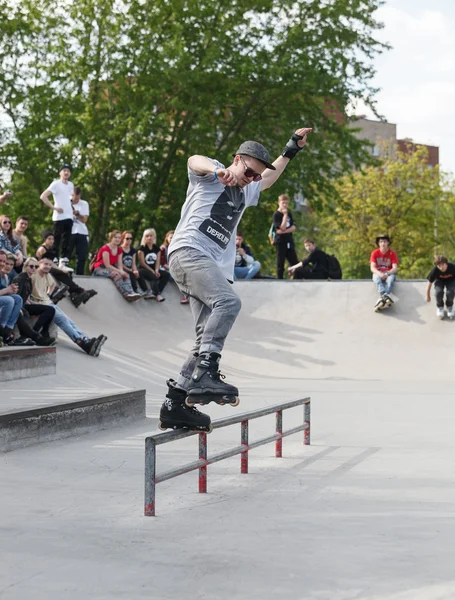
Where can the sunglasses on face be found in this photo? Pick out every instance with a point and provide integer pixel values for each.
(32, 266)
(6, 222)
(249, 173)
(128, 239)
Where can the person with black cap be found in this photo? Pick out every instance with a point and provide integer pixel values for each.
(201, 262)
(62, 190)
(384, 266)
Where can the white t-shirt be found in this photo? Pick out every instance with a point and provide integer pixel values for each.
(84, 211)
(62, 193)
(210, 216)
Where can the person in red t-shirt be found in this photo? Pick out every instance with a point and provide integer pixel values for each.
(384, 266)
(109, 263)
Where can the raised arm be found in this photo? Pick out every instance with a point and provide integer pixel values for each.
(295, 144)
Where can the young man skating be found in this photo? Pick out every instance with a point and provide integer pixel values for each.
(384, 266)
(443, 277)
(201, 261)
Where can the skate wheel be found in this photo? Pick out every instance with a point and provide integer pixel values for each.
(237, 401)
(161, 426)
(189, 403)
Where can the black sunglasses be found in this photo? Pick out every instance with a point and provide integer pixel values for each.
(249, 173)
(128, 239)
(6, 222)
(32, 266)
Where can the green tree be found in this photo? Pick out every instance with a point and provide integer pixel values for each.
(126, 91)
(400, 197)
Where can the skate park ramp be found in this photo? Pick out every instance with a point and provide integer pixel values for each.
(366, 512)
(288, 335)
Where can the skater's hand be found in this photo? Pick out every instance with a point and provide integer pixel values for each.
(384, 276)
(158, 274)
(303, 131)
(226, 177)
(428, 298)
(136, 273)
(59, 210)
(292, 269)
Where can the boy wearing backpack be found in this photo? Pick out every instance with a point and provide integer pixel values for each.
(384, 266)
(315, 266)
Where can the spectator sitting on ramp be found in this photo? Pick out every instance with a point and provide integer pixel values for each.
(315, 266)
(245, 265)
(443, 277)
(43, 284)
(384, 266)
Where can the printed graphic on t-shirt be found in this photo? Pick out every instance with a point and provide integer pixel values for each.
(127, 260)
(150, 259)
(224, 216)
(383, 263)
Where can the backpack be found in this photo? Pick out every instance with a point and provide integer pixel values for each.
(272, 234)
(334, 267)
(91, 266)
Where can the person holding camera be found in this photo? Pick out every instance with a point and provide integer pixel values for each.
(79, 233)
(5, 195)
(245, 265)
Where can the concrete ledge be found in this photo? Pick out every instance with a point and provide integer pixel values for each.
(48, 423)
(32, 361)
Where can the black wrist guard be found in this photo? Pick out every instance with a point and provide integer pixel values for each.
(291, 148)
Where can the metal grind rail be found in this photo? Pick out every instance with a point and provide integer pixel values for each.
(151, 442)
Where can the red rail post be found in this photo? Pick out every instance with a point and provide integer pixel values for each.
(203, 469)
(279, 430)
(307, 421)
(244, 440)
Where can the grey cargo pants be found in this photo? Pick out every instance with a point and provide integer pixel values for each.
(213, 302)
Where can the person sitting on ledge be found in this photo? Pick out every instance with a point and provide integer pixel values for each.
(43, 285)
(77, 295)
(315, 266)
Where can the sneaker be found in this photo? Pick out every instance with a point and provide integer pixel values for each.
(45, 340)
(132, 297)
(59, 293)
(21, 341)
(184, 300)
(440, 313)
(380, 304)
(149, 295)
(388, 300)
(450, 312)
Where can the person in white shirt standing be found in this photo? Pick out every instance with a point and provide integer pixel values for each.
(79, 234)
(62, 190)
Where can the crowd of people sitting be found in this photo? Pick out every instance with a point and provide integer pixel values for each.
(32, 285)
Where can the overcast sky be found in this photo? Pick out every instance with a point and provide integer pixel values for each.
(417, 77)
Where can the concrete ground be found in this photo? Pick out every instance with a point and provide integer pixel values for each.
(365, 513)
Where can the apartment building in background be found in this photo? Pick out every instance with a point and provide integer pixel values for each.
(383, 137)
